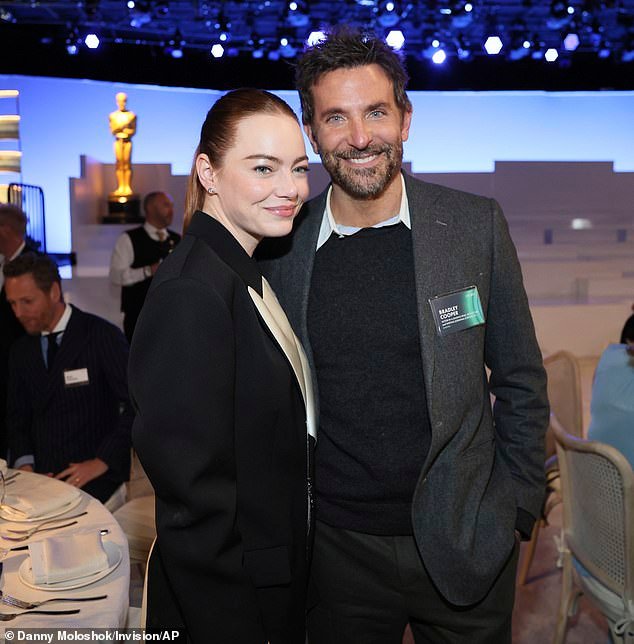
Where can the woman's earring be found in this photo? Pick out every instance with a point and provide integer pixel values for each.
(211, 191)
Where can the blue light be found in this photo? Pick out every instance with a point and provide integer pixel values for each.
(435, 43)
(389, 6)
(571, 42)
(284, 42)
(292, 6)
(131, 4)
(217, 51)
(468, 7)
(223, 36)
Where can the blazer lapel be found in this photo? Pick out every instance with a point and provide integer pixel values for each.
(277, 322)
(426, 241)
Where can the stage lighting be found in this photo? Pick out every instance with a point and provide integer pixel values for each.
(395, 39)
(314, 37)
(439, 57)
(571, 42)
(217, 50)
(91, 41)
(388, 13)
(71, 48)
(297, 14)
(493, 45)
(551, 55)
(559, 14)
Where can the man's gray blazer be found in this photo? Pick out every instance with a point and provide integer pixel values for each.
(481, 466)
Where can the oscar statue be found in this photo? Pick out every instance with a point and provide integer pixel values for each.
(123, 204)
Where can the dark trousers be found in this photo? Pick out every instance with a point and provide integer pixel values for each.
(364, 589)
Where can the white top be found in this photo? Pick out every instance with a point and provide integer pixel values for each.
(329, 225)
(121, 271)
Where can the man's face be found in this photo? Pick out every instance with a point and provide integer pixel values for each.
(358, 130)
(161, 211)
(35, 309)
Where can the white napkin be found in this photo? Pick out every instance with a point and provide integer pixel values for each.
(35, 496)
(64, 558)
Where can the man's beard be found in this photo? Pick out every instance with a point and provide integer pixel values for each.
(364, 183)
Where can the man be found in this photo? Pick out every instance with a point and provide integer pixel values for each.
(402, 292)
(138, 253)
(12, 243)
(68, 412)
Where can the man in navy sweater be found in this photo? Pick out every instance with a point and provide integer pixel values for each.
(402, 293)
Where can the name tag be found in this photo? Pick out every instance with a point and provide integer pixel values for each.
(76, 377)
(457, 310)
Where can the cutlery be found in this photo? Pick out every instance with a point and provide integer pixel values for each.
(7, 617)
(20, 603)
(24, 537)
(35, 528)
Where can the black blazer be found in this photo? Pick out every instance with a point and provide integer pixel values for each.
(10, 331)
(484, 473)
(221, 433)
(59, 424)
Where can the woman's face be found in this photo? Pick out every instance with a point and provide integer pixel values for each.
(263, 179)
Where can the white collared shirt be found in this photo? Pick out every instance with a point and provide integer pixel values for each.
(4, 261)
(121, 271)
(329, 225)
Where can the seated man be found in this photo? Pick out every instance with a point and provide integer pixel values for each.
(138, 253)
(13, 242)
(612, 402)
(68, 413)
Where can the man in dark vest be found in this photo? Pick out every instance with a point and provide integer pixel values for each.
(137, 254)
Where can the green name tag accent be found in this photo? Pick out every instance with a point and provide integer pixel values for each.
(457, 310)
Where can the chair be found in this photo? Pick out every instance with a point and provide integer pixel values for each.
(565, 397)
(136, 516)
(598, 533)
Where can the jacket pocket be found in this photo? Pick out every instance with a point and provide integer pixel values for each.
(268, 566)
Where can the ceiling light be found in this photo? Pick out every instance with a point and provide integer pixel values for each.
(493, 45)
(91, 41)
(439, 56)
(571, 42)
(395, 39)
(551, 55)
(315, 37)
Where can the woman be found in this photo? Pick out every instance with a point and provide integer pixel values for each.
(222, 393)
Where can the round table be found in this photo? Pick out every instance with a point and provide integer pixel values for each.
(106, 613)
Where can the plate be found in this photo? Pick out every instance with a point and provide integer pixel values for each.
(113, 551)
(9, 516)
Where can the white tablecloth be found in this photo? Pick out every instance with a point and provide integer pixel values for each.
(106, 613)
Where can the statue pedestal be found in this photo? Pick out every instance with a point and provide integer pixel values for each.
(123, 210)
